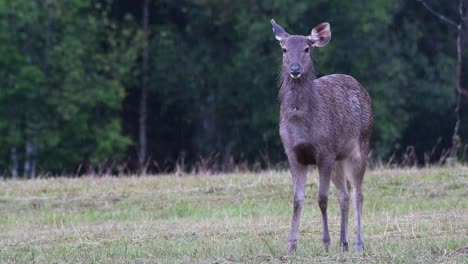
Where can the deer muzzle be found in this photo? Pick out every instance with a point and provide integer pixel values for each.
(295, 70)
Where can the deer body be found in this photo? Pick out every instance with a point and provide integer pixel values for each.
(328, 115)
(325, 121)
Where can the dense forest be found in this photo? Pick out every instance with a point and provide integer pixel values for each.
(121, 86)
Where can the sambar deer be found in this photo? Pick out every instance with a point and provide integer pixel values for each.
(327, 122)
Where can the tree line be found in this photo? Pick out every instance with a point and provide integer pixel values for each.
(125, 86)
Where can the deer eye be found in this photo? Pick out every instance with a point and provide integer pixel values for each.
(306, 49)
(285, 50)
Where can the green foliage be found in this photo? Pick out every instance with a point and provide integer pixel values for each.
(67, 67)
(226, 59)
(62, 84)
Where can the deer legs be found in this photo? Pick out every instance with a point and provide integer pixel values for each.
(340, 173)
(352, 171)
(358, 200)
(339, 179)
(325, 170)
(299, 173)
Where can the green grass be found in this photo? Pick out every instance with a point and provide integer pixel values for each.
(410, 216)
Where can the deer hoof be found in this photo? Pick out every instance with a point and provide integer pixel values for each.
(326, 245)
(291, 248)
(344, 246)
(359, 248)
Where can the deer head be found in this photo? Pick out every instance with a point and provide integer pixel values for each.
(296, 48)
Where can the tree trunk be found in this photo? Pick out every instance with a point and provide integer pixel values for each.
(456, 140)
(30, 151)
(32, 170)
(144, 90)
(14, 162)
(460, 92)
(27, 158)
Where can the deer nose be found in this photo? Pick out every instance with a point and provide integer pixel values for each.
(295, 69)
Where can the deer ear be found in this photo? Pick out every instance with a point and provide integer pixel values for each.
(320, 35)
(280, 33)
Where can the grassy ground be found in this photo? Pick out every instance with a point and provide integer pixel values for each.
(410, 216)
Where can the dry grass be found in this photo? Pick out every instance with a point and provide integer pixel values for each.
(410, 216)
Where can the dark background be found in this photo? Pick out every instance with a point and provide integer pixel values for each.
(72, 74)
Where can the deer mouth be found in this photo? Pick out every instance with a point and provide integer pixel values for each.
(295, 76)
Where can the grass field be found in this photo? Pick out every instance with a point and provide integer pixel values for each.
(410, 216)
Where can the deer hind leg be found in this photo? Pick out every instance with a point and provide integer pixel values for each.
(358, 168)
(299, 174)
(326, 167)
(339, 179)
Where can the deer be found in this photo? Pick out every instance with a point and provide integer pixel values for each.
(326, 122)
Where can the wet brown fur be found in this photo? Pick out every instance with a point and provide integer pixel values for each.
(326, 121)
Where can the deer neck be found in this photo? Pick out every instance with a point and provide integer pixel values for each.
(295, 92)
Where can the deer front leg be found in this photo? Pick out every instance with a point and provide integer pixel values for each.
(325, 169)
(299, 174)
